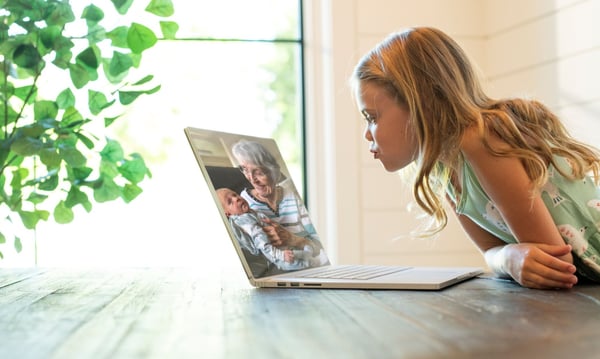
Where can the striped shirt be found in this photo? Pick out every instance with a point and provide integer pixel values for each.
(290, 212)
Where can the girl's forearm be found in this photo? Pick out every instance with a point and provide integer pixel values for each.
(496, 258)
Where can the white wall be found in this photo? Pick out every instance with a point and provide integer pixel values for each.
(537, 48)
(549, 50)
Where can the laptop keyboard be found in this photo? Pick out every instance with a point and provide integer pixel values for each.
(352, 272)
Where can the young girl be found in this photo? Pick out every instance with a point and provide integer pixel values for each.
(518, 182)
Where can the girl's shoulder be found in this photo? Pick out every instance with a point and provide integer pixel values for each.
(472, 143)
(476, 143)
(471, 140)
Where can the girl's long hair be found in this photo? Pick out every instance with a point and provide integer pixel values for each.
(426, 71)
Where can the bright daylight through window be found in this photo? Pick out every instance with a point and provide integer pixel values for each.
(235, 66)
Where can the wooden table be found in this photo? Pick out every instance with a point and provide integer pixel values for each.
(183, 313)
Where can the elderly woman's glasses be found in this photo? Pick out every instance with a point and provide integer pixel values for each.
(253, 172)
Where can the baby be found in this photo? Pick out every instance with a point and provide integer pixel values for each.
(248, 228)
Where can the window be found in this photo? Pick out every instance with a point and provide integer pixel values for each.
(236, 66)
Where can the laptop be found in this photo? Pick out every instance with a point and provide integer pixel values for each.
(301, 262)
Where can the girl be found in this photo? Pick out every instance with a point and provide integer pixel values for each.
(518, 182)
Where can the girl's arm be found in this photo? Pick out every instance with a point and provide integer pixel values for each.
(522, 261)
(541, 259)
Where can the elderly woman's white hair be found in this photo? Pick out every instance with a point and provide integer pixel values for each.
(258, 155)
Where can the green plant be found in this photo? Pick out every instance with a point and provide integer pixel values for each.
(53, 151)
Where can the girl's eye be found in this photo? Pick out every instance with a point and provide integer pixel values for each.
(370, 119)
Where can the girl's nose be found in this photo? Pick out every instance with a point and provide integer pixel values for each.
(367, 134)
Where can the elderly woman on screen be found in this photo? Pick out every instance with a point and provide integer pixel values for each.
(272, 193)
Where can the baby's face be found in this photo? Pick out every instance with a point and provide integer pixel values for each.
(232, 202)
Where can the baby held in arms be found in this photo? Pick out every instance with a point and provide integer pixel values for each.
(248, 228)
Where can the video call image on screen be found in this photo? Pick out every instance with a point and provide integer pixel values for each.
(259, 202)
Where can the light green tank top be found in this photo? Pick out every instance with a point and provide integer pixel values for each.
(573, 205)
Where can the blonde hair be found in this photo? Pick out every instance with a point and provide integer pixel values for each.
(427, 71)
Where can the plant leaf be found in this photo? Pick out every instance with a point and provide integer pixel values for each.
(79, 75)
(92, 14)
(17, 243)
(26, 56)
(27, 146)
(62, 58)
(109, 120)
(30, 220)
(79, 174)
(112, 152)
(107, 191)
(25, 92)
(48, 183)
(18, 176)
(97, 102)
(36, 198)
(127, 97)
(119, 64)
(122, 6)
(162, 8)
(88, 58)
(71, 119)
(86, 141)
(77, 196)
(144, 80)
(63, 214)
(130, 192)
(96, 33)
(50, 36)
(118, 36)
(60, 14)
(45, 109)
(9, 112)
(169, 29)
(49, 157)
(140, 38)
(134, 170)
(65, 99)
(108, 169)
(72, 156)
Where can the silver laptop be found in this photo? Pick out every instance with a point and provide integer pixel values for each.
(302, 261)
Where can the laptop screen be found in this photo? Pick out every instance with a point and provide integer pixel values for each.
(265, 216)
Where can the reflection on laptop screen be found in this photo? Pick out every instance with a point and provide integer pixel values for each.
(266, 217)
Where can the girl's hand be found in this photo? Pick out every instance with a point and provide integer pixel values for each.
(538, 265)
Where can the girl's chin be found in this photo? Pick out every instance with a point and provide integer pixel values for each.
(393, 167)
(388, 167)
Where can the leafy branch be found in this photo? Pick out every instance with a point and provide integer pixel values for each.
(51, 160)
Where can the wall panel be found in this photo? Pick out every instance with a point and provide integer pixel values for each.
(383, 16)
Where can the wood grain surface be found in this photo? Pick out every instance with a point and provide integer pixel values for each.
(183, 313)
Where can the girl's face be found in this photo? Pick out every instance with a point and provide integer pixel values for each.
(259, 178)
(389, 131)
